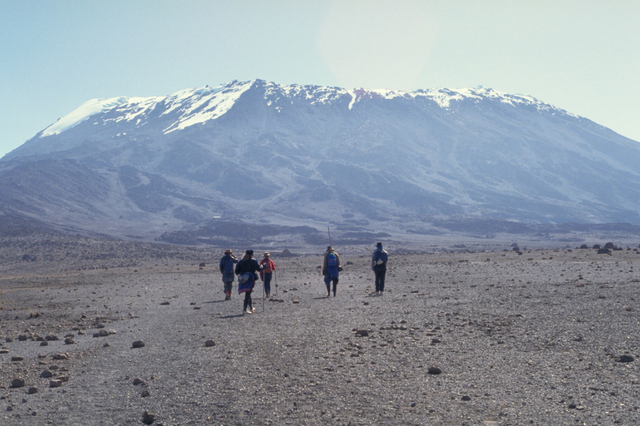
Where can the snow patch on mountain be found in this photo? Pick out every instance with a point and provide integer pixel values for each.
(86, 110)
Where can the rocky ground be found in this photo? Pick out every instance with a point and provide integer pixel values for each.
(546, 337)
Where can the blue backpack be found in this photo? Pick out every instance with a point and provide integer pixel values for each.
(332, 260)
(227, 265)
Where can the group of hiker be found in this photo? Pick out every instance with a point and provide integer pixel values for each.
(248, 270)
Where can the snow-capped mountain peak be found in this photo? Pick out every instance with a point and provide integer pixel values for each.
(190, 107)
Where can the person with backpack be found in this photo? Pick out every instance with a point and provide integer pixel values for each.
(226, 269)
(246, 272)
(266, 273)
(331, 270)
(379, 259)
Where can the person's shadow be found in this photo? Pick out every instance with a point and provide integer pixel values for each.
(231, 316)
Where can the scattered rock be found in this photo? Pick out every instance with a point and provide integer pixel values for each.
(138, 344)
(137, 382)
(434, 370)
(625, 358)
(22, 338)
(16, 358)
(466, 398)
(44, 343)
(32, 390)
(165, 303)
(46, 374)
(69, 341)
(435, 341)
(60, 356)
(55, 383)
(51, 337)
(209, 343)
(362, 333)
(101, 333)
(4, 351)
(18, 383)
(145, 393)
(148, 418)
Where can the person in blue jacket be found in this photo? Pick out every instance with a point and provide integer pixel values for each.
(246, 271)
(379, 259)
(331, 270)
(227, 264)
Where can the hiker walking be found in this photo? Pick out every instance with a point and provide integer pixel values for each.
(379, 259)
(226, 269)
(331, 270)
(246, 271)
(266, 273)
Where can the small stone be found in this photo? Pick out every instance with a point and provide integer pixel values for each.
(55, 383)
(44, 343)
(22, 338)
(362, 333)
(46, 374)
(106, 345)
(137, 344)
(137, 382)
(572, 406)
(32, 390)
(466, 398)
(165, 303)
(63, 378)
(10, 408)
(51, 337)
(18, 383)
(69, 341)
(16, 358)
(625, 358)
(209, 343)
(4, 351)
(145, 393)
(434, 370)
(60, 356)
(435, 341)
(148, 418)
(101, 333)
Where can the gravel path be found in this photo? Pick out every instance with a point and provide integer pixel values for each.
(544, 338)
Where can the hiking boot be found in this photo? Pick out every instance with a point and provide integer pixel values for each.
(249, 311)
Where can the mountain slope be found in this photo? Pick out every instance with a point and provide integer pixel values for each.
(293, 155)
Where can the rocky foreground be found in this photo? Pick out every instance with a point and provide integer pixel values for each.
(546, 337)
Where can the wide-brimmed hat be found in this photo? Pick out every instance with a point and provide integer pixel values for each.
(228, 251)
(378, 244)
(329, 248)
(266, 254)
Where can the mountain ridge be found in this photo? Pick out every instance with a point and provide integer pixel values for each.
(378, 159)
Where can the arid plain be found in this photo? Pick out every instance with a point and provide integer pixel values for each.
(546, 337)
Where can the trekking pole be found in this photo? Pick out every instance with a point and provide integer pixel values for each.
(275, 278)
(329, 230)
(263, 297)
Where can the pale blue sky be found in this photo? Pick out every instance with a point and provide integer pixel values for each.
(579, 55)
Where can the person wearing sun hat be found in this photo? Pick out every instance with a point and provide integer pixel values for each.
(227, 271)
(267, 272)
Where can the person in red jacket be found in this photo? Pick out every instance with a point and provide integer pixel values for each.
(267, 272)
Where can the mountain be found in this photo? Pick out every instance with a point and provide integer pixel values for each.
(294, 157)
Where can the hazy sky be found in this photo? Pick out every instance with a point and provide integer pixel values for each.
(579, 55)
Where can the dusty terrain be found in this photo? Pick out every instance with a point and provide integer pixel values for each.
(548, 337)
